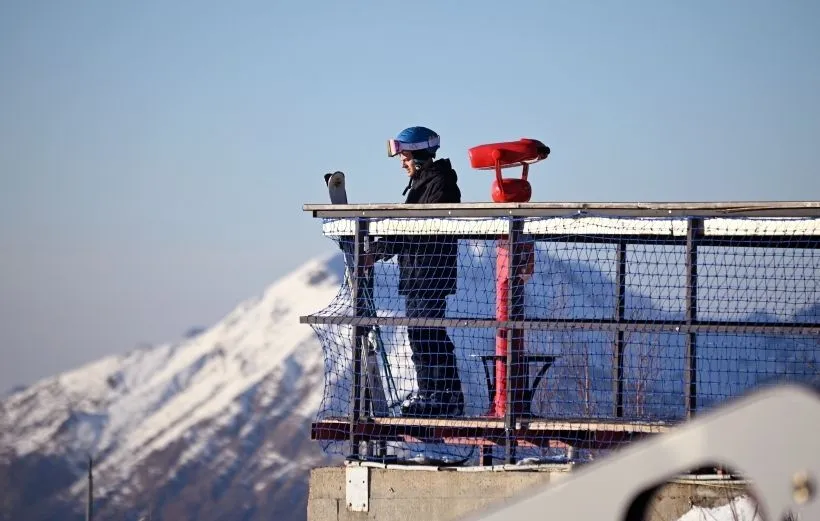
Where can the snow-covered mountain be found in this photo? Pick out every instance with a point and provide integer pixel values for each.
(215, 423)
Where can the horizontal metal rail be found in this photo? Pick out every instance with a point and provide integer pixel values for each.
(603, 424)
(589, 433)
(674, 209)
(729, 241)
(673, 326)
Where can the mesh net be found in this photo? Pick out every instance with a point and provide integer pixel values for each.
(616, 328)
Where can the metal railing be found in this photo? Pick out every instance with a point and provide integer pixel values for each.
(738, 275)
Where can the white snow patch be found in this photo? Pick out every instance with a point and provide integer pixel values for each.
(742, 508)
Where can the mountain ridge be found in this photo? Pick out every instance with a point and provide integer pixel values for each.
(230, 405)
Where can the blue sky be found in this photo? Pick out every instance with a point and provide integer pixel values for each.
(145, 147)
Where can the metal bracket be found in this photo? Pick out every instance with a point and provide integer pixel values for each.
(741, 434)
(357, 488)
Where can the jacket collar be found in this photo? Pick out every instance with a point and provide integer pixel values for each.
(426, 174)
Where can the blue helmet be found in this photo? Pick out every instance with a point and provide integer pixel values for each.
(420, 141)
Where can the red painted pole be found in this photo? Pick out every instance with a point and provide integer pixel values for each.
(518, 376)
(501, 313)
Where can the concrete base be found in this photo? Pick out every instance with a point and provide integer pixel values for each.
(436, 494)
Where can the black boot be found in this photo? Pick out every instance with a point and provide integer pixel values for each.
(434, 404)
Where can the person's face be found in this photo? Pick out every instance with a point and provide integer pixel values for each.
(407, 164)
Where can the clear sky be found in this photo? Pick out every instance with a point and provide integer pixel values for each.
(155, 156)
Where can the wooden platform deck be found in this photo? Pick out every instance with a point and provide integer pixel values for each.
(535, 432)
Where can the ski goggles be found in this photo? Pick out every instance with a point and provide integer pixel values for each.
(395, 147)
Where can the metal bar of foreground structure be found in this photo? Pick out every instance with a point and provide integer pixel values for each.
(770, 228)
(784, 485)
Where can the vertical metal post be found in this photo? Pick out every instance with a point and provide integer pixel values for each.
(89, 506)
(361, 228)
(516, 383)
(693, 233)
(486, 455)
(618, 347)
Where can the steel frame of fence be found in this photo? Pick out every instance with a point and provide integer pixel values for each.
(512, 431)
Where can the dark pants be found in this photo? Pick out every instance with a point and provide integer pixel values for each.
(433, 356)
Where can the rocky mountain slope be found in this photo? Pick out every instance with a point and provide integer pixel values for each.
(212, 425)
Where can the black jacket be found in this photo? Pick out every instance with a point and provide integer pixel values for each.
(427, 263)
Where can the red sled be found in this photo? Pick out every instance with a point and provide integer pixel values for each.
(497, 156)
